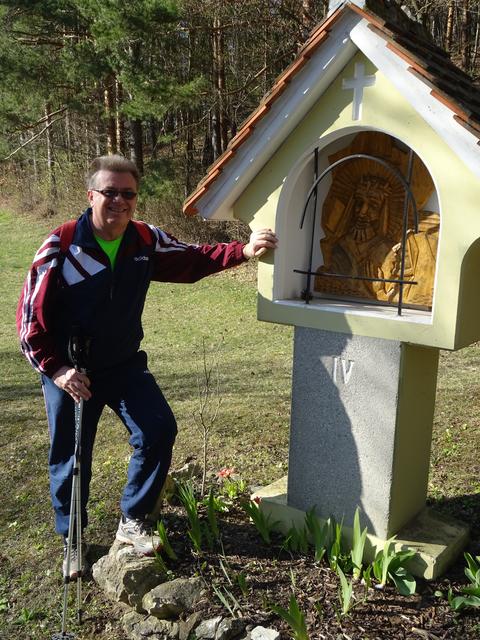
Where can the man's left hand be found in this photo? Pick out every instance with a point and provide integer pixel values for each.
(260, 242)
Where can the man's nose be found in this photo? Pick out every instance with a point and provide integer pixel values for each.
(364, 207)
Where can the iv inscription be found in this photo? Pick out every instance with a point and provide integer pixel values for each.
(342, 369)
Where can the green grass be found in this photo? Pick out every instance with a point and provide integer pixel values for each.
(251, 432)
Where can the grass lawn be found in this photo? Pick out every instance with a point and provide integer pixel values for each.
(251, 431)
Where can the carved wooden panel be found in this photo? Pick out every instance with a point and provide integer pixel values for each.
(362, 218)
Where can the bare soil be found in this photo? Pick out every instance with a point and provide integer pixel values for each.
(273, 574)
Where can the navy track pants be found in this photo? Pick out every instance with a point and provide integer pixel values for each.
(131, 391)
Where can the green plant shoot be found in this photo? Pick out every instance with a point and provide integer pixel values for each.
(262, 522)
(294, 617)
(346, 592)
(212, 515)
(187, 497)
(319, 534)
(389, 563)
(166, 546)
(358, 546)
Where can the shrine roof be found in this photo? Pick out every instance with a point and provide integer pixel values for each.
(406, 38)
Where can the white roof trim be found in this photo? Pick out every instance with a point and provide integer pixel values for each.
(436, 114)
(286, 112)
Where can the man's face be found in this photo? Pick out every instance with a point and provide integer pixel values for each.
(110, 216)
(367, 208)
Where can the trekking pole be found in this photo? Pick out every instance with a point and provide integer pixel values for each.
(78, 351)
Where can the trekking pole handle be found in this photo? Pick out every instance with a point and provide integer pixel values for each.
(79, 348)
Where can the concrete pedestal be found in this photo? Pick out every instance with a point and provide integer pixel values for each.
(436, 539)
(361, 427)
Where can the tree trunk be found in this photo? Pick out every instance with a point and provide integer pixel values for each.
(109, 110)
(466, 44)
(51, 175)
(207, 151)
(153, 127)
(68, 140)
(449, 26)
(119, 121)
(136, 144)
(220, 119)
(189, 153)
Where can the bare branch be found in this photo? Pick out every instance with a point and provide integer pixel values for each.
(31, 139)
(43, 119)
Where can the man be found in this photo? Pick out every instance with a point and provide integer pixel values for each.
(98, 286)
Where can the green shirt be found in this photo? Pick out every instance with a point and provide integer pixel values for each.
(110, 247)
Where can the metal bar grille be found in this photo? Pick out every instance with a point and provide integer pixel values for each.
(409, 200)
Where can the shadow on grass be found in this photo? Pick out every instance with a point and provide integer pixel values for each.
(465, 508)
(183, 385)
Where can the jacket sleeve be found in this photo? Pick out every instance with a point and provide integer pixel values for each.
(177, 261)
(35, 310)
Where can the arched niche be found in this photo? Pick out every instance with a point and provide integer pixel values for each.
(371, 222)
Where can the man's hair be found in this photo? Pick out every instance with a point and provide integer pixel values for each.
(115, 163)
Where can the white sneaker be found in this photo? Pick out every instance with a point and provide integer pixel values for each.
(140, 534)
(78, 566)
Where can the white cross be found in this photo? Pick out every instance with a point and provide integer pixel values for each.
(358, 83)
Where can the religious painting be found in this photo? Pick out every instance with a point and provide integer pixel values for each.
(363, 222)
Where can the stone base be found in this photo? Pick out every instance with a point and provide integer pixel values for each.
(437, 539)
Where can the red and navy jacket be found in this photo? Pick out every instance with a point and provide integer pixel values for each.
(78, 288)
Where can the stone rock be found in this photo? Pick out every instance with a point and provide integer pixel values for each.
(207, 629)
(263, 633)
(170, 599)
(126, 576)
(138, 627)
(229, 629)
(187, 472)
(185, 627)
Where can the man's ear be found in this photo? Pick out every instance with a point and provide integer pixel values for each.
(90, 196)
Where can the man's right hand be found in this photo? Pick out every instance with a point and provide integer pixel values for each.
(73, 382)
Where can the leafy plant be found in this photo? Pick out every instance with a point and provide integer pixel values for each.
(228, 600)
(212, 515)
(232, 577)
(262, 522)
(389, 564)
(187, 497)
(218, 503)
(472, 570)
(470, 595)
(358, 546)
(296, 540)
(233, 488)
(166, 546)
(28, 615)
(320, 534)
(294, 617)
(336, 552)
(162, 566)
(242, 583)
(367, 577)
(226, 570)
(345, 593)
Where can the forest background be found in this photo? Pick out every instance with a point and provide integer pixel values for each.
(164, 82)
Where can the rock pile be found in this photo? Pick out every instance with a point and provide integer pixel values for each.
(164, 610)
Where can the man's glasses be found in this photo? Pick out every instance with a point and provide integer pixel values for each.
(113, 193)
